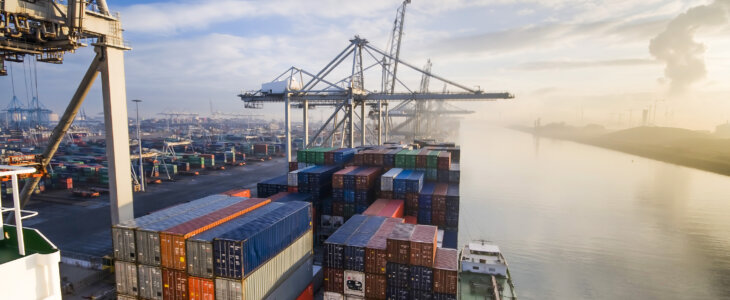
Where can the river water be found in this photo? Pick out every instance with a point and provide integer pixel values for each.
(580, 222)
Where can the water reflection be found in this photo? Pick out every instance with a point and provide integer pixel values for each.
(580, 222)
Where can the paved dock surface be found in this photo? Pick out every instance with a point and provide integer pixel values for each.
(80, 227)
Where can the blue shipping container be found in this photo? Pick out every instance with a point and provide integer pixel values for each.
(397, 275)
(397, 293)
(239, 252)
(421, 278)
(451, 239)
(355, 244)
(425, 196)
(334, 246)
(415, 182)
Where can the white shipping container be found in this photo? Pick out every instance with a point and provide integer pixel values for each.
(126, 277)
(291, 178)
(278, 87)
(351, 297)
(150, 282)
(333, 296)
(263, 280)
(354, 283)
(386, 181)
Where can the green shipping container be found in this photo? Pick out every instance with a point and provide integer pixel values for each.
(432, 159)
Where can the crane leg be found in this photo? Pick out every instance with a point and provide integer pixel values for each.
(117, 134)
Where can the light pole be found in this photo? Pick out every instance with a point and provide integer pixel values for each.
(139, 143)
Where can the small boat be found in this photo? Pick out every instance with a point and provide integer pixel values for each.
(484, 273)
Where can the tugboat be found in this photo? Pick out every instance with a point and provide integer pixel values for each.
(484, 274)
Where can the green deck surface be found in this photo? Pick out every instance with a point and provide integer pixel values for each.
(34, 243)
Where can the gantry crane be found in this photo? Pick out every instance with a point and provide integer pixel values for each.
(319, 90)
(47, 29)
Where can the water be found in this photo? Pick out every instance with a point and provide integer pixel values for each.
(581, 222)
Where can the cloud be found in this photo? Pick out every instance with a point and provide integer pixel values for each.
(574, 64)
(676, 47)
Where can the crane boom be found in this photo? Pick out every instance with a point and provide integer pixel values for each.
(394, 49)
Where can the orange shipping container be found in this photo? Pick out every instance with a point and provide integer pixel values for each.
(172, 240)
(238, 193)
(201, 288)
(423, 245)
(307, 294)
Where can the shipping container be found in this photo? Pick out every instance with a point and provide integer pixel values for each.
(334, 246)
(366, 179)
(394, 209)
(272, 186)
(375, 208)
(454, 173)
(338, 178)
(397, 293)
(200, 258)
(172, 240)
(438, 296)
(398, 275)
(125, 297)
(450, 239)
(386, 180)
(445, 271)
(356, 243)
(241, 251)
(148, 236)
(375, 252)
(201, 288)
(294, 282)
(126, 278)
(398, 244)
(123, 234)
(421, 278)
(238, 193)
(334, 280)
(307, 294)
(421, 295)
(354, 283)
(414, 182)
(264, 280)
(423, 245)
(150, 282)
(174, 284)
(375, 286)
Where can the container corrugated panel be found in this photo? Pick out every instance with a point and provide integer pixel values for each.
(394, 209)
(375, 286)
(399, 182)
(423, 245)
(386, 180)
(411, 204)
(425, 216)
(375, 252)
(349, 178)
(444, 160)
(150, 282)
(397, 293)
(333, 296)
(425, 196)
(269, 275)
(398, 244)
(148, 236)
(334, 246)
(338, 178)
(294, 197)
(296, 281)
(398, 275)
(125, 297)
(242, 250)
(356, 243)
(451, 239)
(334, 280)
(421, 278)
(445, 276)
(439, 196)
(354, 283)
(172, 240)
(123, 235)
(365, 179)
(421, 295)
(174, 284)
(438, 296)
(201, 288)
(415, 182)
(126, 277)
(375, 208)
(200, 247)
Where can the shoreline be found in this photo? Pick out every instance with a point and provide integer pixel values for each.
(700, 161)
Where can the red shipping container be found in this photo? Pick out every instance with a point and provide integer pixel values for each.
(411, 220)
(438, 200)
(444, 160)
(174, 285)
(358, 158)
(307, 294)
(394, 209)
(338, 209)
(172, 240)
(292, 189)
(375, 251)
(398, 244)
(261, 148)
(445, 276)
(334, 280)
(338, 178)
(238, 193)
(423, 245)
(438, 217)
(293, 166)
(375, 208)
(365, 179)
(375, 286)
(201, 288)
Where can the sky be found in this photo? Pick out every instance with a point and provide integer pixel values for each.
(581, 62)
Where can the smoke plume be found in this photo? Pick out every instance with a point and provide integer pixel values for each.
(676, 46)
